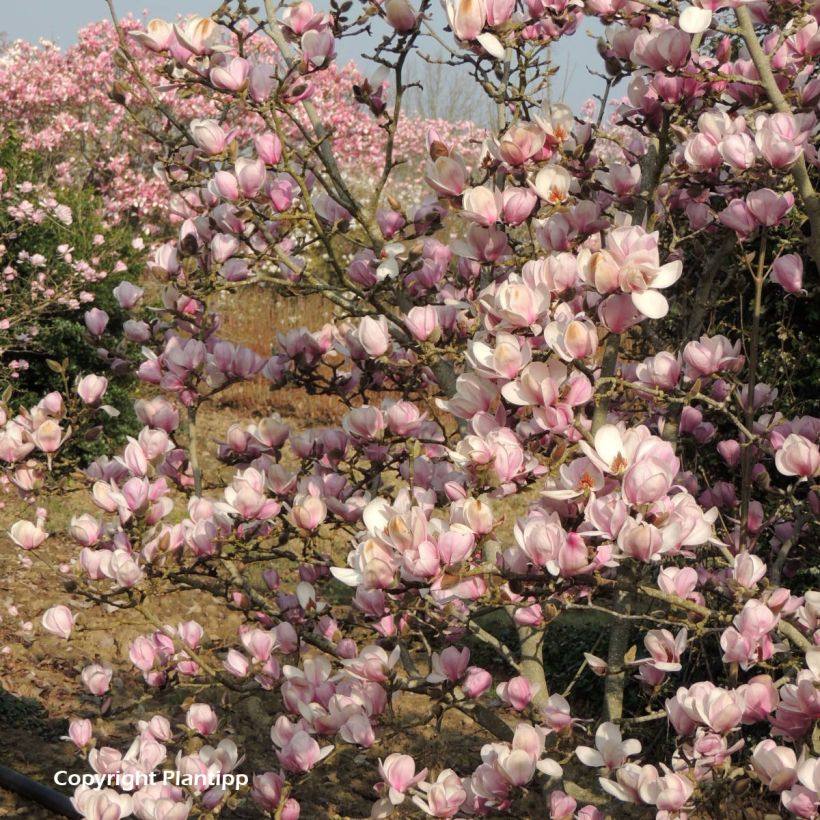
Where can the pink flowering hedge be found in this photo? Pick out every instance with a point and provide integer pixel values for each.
(562, 400)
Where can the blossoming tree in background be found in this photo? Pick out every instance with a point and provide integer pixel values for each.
(559, 399)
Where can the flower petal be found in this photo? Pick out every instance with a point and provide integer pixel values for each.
(694, 20)
(652, 304)
(589, 756)
(491, 44)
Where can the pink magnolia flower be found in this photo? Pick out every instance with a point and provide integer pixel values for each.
(738, 151)
(522, 142)
(738, 217)
(663, 48)
(711, 354)
(482, 205)
(96, 321)
(128, 295)
(308, 512)
(662, 370)
(668, 793)
(79, 732)
(768, 207)
(517, 692)
(398, 772)
(787, 271)
(49, 436)
(201, 718)
(266, 791)
(301, 752)
(631, 782)
(630, 263)
(268, 147)
(610, 748)
(447, 175)
(476, 681)
(97, 678)
(650, 475)
(451, 664)
(466, 17)
(702, 152)
(562, 806)
(374, 336)
(236, 664)
(622, 180)
(708, 705)
(444, 797)
(552, 184)
(401, 15)
(556, 714)
(143, 653)
(779, 138)
(250, 176)
(423, 322)
(101, 804)
(665, 650)
(798, 457)
(27, 535)
(748, 570)
(158, 35)
(197, 34)
(574, 339)
(232, 75)
(776, 766)
(59, 621)
(517, 204)
(209, 136)
(92, 388)
(800, 801)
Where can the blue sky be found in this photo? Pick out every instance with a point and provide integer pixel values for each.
(59, 20)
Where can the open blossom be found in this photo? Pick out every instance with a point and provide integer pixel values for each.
(398, 772)
(467, 17)
(780, 138)
(575, 339)
(451, 664)
(482, 205)
(49, 436)
(301, 753)
(552, 184)
(662, 370)
(611, 750)
(769, 207)
(444, 797)
(630, 263)
(447, 175)
(776, 766)
(798, 457)
(665, 652)
(522, 142)
(711, 354)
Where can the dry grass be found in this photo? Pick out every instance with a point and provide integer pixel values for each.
(254, 317)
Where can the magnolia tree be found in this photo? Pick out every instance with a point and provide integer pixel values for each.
(558, 398)
(63, 105)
